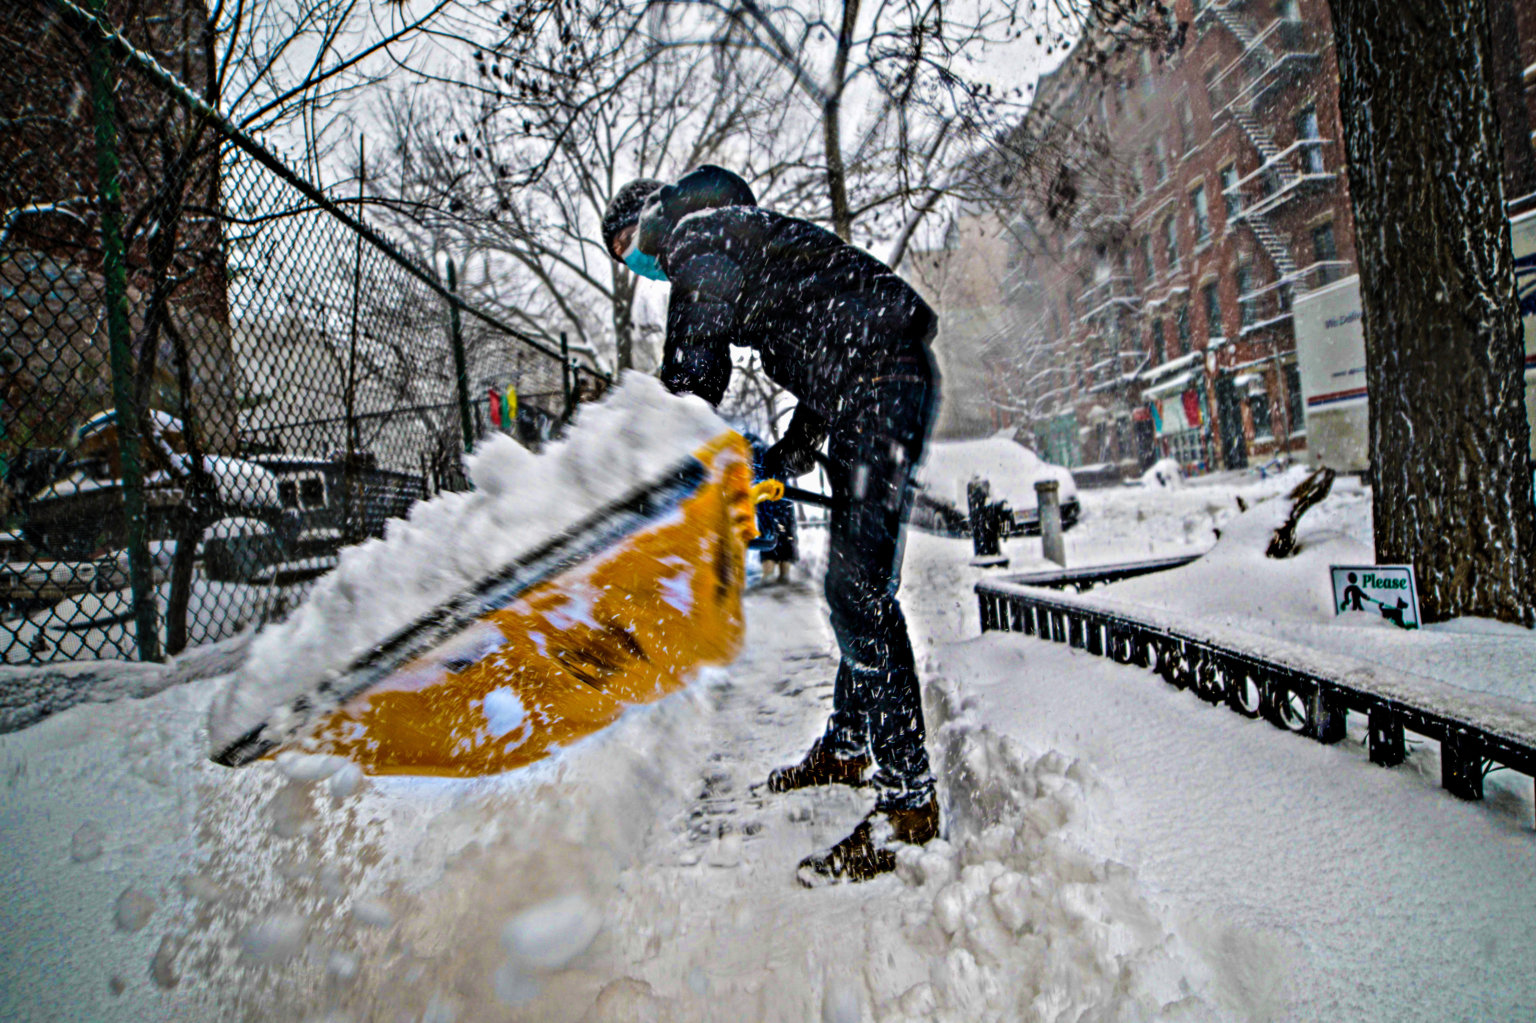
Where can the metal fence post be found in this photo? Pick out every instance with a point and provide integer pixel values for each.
(565, 374)
(1048, 504)
(460, 365)
(115, 289)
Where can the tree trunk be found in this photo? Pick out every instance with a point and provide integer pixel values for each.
(832, 125)
(837, 174)
(624, 319)
(1444, 349)
(178, 601)
(1509, 100)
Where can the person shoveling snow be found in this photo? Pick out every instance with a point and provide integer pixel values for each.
(850, 340)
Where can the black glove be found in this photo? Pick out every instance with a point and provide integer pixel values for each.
(795, 455)
(786, 461)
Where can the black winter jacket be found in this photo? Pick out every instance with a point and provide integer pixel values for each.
(824, 316)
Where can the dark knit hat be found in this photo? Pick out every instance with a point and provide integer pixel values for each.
(624, 208)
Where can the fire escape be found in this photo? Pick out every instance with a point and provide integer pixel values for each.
(1270, 59)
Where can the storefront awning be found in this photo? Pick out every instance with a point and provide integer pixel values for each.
(1172, 365)
(1173, 385)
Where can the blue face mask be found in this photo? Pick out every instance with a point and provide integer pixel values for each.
(644, 265)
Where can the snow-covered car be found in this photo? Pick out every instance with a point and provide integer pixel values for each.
(1009, 468)
(76, 512)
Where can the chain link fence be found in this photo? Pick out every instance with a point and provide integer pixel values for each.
(214, 377)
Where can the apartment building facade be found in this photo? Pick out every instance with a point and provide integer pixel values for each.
(1214, 193)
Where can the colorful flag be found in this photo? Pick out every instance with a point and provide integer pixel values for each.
(1192, 407)
(495, 410)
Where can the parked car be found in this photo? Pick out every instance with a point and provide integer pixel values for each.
(72, 504)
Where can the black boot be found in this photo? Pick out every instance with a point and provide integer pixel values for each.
(868, 852)
(821, 767)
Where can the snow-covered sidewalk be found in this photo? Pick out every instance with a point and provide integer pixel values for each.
(1321, 886)
(1318, 885)
(1116, 851)
(634, 876)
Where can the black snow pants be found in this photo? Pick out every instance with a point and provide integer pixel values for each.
(873, 449)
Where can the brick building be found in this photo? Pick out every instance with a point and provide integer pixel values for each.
(55, 367)
(1202, 189)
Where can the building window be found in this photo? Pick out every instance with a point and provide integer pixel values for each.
(1186, 448)
(1202, 214)
(1258, 406)
(1324, 250)
(1212, 293)
(1171, 242)
(1295, 409)
(1159, 344)
(1210, 83)
(1287, 10)
(1103, 109)
(1160, 159)
(1146, 255)
(1186, 126)
(1306, 130)
(1229, 197)
(1146, 73)
(1181, 323)
(1244, 286)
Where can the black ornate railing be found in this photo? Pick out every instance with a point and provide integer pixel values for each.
(1477, 733)
(1086, 578)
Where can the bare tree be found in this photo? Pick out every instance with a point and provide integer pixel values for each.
(464, 177)
(883, 88)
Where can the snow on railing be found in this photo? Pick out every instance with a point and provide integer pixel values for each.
(1171, 366)
(1326, 271)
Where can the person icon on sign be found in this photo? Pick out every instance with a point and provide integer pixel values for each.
(1354, 596)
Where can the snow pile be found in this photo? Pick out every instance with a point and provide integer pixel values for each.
(1236, 575)
(1011, 468)
(519, 500)
(1114, 851)
(1016, 915)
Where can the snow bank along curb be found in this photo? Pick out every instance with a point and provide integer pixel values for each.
(30, 694)
(452, 541)
(1263, 676)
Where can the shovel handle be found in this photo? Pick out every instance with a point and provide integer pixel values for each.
(810, 497)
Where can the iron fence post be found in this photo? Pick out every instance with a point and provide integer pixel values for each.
(565, 374)
(460, 364)
(114, 273)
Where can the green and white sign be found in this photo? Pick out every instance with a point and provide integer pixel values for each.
(1387, 590)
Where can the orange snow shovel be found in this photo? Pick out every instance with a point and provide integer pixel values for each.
(617, 611)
